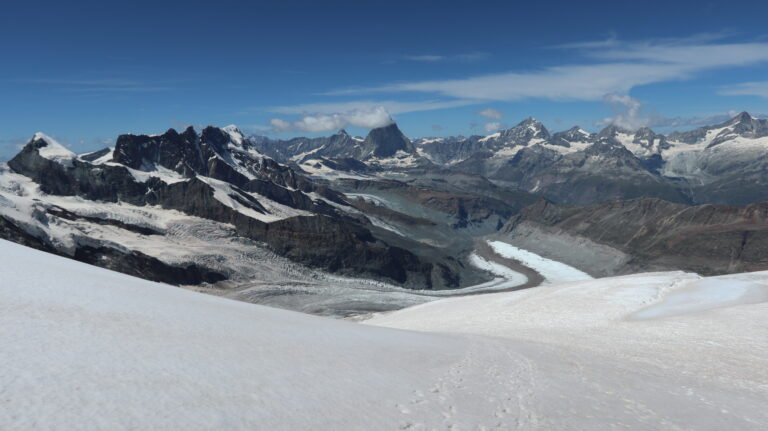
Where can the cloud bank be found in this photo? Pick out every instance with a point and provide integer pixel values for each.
(631, 114)
(431, 58)
(490, 113)
(321, 117)
(313, 123)
(614, 67)
(627, 110)
(608, 71)
(759, 89)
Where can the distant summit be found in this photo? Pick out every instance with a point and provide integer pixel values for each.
(385, 142)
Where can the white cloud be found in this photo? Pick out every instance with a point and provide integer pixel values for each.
(425, 58)
(616, 67)
(319, 122)
(490, 113)
(431, 58)
(492, 126)
(759, 89)
(280, 125)
(393, 107)
(631, 114)
(320, 117)
(609, 70)
(627, 110)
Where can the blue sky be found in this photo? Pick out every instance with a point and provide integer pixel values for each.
(85, 72)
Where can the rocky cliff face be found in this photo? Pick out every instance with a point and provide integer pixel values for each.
(656, 234)
(385, 142)
(219, 176)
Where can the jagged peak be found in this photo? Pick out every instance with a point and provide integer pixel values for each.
(40, 136)
(644, 132)
(530, 122)
(743, 116)
(523, 131)
(612, 130)
(389, 128)
(573, 131)
(342, 132)
(387, 140)
(234, 133)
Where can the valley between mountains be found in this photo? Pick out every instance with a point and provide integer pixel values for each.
(345, 226)
(521, 280)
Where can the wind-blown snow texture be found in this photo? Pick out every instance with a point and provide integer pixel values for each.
(83, 347)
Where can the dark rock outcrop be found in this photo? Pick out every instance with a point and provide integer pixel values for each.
(330, 240)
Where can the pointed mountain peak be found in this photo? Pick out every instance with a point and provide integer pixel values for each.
(171, 132)
(386, 141)
(524, 132)
(613, 130)
(644, 132)
(743, 117)
(51, 149)
(577, 130)
(235, 135)
(342, 132)
(232, 129)
(40, 136)
(530, 122)
(189, 133)
(389, 126)
(574, 134)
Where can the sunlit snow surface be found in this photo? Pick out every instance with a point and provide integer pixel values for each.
(86, 348)
(551, 270)
(53, 150)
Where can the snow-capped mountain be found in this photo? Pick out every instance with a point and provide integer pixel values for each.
(718, 164)
(383, 148)
(724, 163)
(161, 205)
(215, 208)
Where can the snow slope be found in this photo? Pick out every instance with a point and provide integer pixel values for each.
(86, 347)
(646, 351)
(53, 150)
(552, 270)
(83, 347)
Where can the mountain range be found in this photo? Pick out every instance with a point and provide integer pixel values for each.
(723, 163)
(309, 223)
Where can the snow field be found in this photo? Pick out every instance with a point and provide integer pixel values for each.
(84, 345)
